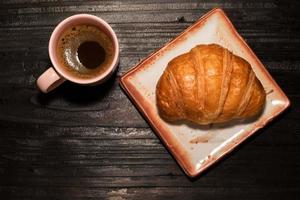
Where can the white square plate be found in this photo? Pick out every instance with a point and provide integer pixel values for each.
(197, 147)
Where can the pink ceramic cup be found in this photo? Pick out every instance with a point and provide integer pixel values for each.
(54, 76)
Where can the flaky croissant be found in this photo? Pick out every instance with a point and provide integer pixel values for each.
(209, 84)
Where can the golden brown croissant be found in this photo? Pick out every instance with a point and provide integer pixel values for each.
(209, 85)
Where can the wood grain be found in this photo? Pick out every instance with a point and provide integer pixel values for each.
(91, 142)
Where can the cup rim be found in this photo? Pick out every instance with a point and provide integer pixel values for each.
(52, 50)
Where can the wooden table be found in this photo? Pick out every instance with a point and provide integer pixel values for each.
(79, 142)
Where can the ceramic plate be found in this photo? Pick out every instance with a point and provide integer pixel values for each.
(198, 147)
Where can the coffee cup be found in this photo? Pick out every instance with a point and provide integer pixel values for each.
(83, 49)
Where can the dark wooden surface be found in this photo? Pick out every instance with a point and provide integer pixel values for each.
(78, 143)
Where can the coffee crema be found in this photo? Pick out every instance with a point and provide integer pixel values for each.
(85, 51)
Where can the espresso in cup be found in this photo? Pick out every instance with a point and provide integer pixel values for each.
(85, 51)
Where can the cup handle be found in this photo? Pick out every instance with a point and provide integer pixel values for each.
(49, 80)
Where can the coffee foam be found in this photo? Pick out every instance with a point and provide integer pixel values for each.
(69, 43)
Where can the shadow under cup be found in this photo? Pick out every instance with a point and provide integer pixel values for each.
(77, 20)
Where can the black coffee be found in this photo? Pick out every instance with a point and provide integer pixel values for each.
(85, 51)
(91, 54)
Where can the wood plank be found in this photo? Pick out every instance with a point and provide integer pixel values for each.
(150, 193)
(120, 13)
(95, 147)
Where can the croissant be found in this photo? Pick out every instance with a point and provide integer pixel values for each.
(209, 84)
